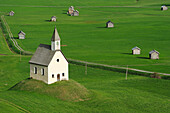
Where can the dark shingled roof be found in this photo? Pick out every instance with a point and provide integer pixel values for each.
(136, 48)
(153, 51)
(53, 17)
(43, 55)
(22, 33)
(11, 12)
(55, 36)
(109, 22)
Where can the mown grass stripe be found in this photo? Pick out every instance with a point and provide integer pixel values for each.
(14, 105)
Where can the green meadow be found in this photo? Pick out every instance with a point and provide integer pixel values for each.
(140, 24)
(143, 25)
(110, 92)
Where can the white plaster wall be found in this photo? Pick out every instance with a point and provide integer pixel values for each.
(58, 68)
(21, 36)
(52, 45)
(76, 14)
(110, 25)
(136, 51)
(55, 46)
(70, 11)
(53, 19)
(11, 14)
(38, 76)
(165, 8)
(154, 56)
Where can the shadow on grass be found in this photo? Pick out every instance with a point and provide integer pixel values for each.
(64, 11)
(143, 57)
(127, 53)
(160, 5)
(16, 37)
(48, 20)
(11, 88)
(100, 27)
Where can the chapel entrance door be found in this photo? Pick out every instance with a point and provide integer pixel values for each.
(58, 77)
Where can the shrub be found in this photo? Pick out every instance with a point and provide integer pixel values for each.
(155, 75)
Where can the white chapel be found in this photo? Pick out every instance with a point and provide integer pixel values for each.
(48, 63)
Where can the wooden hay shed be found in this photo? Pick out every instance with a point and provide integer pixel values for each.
(164, 8)
(70, 10)
(53, 19)
(21, 35)
(154, 54)
(11, 13)
(109, 24)
(75, 13)
(136, 50)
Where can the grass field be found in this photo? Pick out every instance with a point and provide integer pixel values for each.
(85, 3)
(110, 91)
(5, 107)
(64, 90)
(4, 49)
(88, 40)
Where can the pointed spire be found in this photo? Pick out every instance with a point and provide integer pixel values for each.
(55, 36)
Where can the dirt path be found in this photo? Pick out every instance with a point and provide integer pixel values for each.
(11, 36)
(118, 67)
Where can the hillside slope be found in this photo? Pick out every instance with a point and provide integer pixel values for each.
(64, 90)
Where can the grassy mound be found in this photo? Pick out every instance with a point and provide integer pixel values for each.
(64, 90)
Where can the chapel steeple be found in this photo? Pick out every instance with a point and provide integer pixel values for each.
(55, 40)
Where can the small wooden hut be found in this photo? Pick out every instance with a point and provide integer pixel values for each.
(154, 54)
(53, 19)
(11, 13)
(70, 10)
(75, 13)
(21, 35)
(164, 8)
(109, 24)
(136, 50)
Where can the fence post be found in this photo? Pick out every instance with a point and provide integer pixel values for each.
(20, 55)
(126, 72)
(86, 69)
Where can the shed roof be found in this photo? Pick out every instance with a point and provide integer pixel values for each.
(76, 11)
(163, 6)
(21, 32)
(109, 22)
(55, 36)
(136, 48)
(71, 7)
(11, 12)
(153, 51)
(53, 17)
(43, 55)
